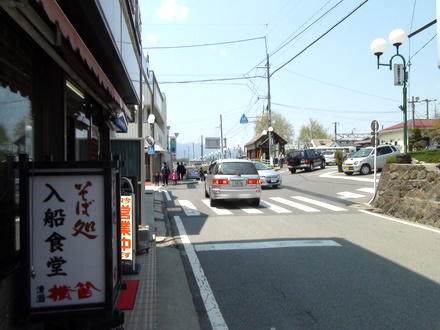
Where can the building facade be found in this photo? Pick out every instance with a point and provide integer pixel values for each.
(70, 78)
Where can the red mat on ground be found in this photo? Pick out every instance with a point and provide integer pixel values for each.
(127, 297)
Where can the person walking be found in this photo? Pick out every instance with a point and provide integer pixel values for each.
(156, 178)
(174, 177)
(202, 174)
(165, 172)
(179, 171)
(281, 159)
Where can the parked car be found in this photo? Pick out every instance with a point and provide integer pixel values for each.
(329, 157)
(363, 160)
(434, 147)
(268, 176)
(306, 159)
(233, 179)
(192, 174)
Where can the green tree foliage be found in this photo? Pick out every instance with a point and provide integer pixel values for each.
(416, 139)
(280, 125)
(313, 130)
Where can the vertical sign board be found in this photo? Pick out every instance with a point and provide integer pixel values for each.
(173, 147)
(74, 238)
(399, 75)
(127, 232)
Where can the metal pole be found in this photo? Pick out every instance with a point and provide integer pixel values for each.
(221, 136)
(269, 109)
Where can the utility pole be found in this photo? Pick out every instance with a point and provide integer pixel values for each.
(427, 106)
(336, 130)
(201, 148)
(221, 136)
(269, 110)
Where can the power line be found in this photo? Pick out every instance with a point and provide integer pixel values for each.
(319, 38)
(207, 80)
(205, 45)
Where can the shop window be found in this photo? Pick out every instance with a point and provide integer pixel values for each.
(16, 133)
(79, 124)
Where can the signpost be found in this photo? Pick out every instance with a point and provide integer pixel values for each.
(375, 143)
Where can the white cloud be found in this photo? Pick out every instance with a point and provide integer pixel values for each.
(170, 10)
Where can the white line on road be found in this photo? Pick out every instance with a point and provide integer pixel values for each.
(275, 208)
(367, 190)
(348, 194)
(188, 207)
(401, 221)
(345, 177)
(218, 210)
(167, 195)
(294, 204)
(263, 245)
(318, 203)
(214, 314)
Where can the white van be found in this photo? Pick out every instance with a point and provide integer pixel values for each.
(363, 160)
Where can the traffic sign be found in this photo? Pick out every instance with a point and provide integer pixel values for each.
(374, 125)
(244, 120)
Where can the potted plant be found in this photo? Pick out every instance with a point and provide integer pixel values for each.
(339, 159)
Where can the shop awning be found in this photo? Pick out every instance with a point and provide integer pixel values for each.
(56, 16)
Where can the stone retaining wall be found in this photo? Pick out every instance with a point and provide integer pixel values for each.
(410, 192)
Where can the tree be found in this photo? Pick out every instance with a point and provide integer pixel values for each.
(313, 130)
(280, 125)
(416, 136)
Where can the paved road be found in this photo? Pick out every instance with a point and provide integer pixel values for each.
(311, 255)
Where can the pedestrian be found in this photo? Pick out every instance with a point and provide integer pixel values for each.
(165, 173)
(179, 170)
(174, 177)
(281, 159)
(202, 174)
(183, 171)
(156, 178)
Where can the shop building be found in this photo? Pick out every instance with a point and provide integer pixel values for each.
(70, 78)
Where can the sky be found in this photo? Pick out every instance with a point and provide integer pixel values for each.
(209, 57)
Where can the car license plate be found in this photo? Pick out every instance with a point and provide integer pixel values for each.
(237, 183)
(346, 168)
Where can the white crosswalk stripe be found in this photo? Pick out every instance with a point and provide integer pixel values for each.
(348, 194)
(275, 208)
(188, 207)
(294, 204)
(318, 203)
(367, 190)
(218, 210)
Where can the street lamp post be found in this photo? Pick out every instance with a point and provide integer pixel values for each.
(378, 47)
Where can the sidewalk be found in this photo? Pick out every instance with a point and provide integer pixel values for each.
(163, 299)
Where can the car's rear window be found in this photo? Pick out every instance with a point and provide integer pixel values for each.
(233, 168)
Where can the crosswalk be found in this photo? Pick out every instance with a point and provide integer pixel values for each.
(279, 205)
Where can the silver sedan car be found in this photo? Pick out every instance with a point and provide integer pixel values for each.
(232, 179)
(268, 176)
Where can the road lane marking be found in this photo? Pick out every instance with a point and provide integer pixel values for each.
(367, 190)
(214, 314)
(188, 207)
(275, 208)
(294, 204)
(218, 210)
(318, 203)
(167, 195)
(351, 177)
(264, 245)
(251, 210)
(348, 194)
(405, 222)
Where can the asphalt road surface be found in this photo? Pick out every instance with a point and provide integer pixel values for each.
(312, 255)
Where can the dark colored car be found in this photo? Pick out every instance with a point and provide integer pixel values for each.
(306, 159)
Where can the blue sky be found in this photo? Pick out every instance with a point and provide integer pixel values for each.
(335, 80)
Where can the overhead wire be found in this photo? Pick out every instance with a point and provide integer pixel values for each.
(320, 37)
